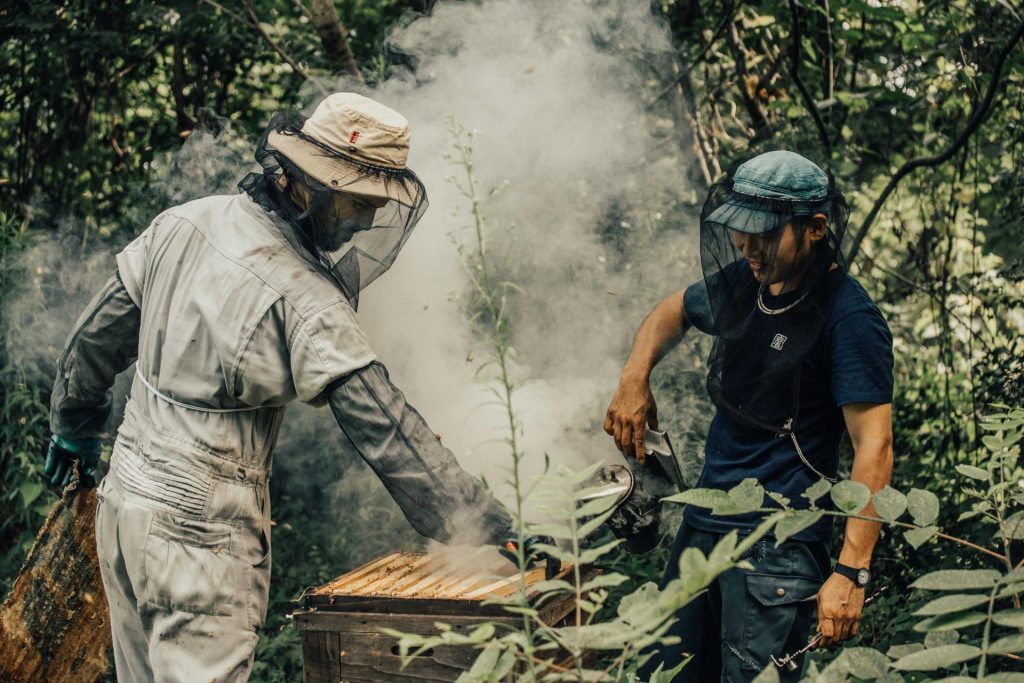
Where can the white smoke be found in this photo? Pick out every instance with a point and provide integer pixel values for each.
(556, 95)
(595, 220)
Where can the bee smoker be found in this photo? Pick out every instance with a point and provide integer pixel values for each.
(636, 517)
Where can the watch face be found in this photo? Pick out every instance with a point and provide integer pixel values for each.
(863, 576)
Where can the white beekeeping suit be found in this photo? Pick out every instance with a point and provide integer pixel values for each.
(234, 306)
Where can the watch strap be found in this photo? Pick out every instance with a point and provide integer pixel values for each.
(852, 573)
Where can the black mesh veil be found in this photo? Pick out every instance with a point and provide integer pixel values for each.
(770, 270)
(352, 228)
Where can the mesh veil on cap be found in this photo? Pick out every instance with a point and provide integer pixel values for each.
(767, 293)
(351, 145)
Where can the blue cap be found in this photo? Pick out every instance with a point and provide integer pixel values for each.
(797, 185)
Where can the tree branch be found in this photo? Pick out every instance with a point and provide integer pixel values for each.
(730, 10)
(185, 121)
(702, 141)
(828, 65)
(935, 297)
(757, 116)
(978, 115)
(332, 36)
(805, 94)
(253, 22)
(769, 75)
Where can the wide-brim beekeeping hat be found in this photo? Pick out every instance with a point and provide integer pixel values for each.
(345, 140)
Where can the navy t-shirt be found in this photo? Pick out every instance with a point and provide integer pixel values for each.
(852, 363)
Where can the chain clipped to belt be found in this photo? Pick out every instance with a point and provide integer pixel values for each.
(788, 662)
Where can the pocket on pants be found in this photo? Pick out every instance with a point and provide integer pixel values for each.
(189, 566)
(259, 585)
(777, 606)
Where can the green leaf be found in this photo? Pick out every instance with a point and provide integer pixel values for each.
(1013, 618)
(864, 662)
(554, 530)
(481, 634)
(758, 21)
(973, 472)
(553, 585)
(993, 442)
(937, 657)
(897, 651)
(817, 490)
(890, 504)
(591, 555)
(1014, 575)
(702, 498)
(794, 523)
(485, 663)
(1013, 527)
(584, 475)
(850, 496)
(923, 506)
(1005, 677)
(592, 525)
(504, 665)
(957, 579)
(951, 603)
(945, 637)
(644, 599)
(745, 497)
(603, 581)
(30, 490)
(1008, 645)
(1010, 591)
(596, 506)
(945, 622)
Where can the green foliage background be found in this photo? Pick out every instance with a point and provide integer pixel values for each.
(95, 92)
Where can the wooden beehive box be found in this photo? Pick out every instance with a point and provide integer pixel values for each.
(340, 622)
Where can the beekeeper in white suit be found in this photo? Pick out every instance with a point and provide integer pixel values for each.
(234, 306)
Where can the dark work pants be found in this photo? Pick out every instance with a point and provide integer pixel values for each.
(744, 617)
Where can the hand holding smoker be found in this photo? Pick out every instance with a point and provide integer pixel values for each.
(636, 518)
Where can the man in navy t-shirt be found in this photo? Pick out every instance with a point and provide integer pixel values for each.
(800, 355)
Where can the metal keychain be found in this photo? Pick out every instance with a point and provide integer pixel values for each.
(788, 662)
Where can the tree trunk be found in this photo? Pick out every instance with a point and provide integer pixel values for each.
(333, 37)
(185, 122)
(54, 625)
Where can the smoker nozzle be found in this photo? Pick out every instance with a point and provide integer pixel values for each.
(636, 518)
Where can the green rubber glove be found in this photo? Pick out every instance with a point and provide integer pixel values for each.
(61, 457)
(509, 544)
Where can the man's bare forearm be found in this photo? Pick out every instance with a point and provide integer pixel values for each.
(872, 466)
(659, 333)
(633, 407)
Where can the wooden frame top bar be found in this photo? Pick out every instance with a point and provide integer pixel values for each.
(419, 583)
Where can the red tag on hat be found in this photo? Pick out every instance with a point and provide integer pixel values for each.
(355, 136)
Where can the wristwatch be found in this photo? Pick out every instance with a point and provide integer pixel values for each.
(858, 576)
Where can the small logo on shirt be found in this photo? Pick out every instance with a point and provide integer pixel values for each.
(779, 341)
(352, 138)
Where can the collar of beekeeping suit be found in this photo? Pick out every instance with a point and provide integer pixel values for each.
(351, 152)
